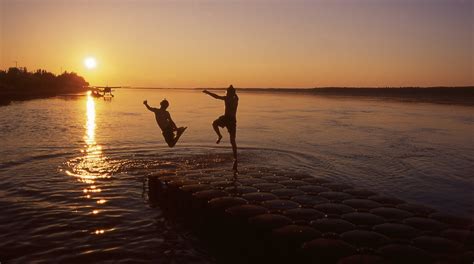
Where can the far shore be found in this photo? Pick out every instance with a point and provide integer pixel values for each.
(19, 84)
(8, 99)
(456, 95)
(442, 95)
(439, 95)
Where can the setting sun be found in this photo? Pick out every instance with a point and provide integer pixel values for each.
(90, 62)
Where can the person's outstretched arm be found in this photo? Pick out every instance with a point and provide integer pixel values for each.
(214, 95)
(147, 106)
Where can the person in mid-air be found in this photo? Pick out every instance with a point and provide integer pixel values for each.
(229, 119)
(168, 127)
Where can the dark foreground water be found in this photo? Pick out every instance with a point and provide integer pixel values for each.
(73, 169)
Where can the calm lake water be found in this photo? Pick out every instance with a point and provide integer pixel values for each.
(72, 169)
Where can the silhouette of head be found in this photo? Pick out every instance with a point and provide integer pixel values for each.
(231, 90)
(164, 104)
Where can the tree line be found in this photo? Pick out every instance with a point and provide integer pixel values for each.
(20, 84)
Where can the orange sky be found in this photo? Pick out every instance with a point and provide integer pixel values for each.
(261, 43)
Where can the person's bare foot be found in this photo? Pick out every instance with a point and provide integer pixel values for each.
(219, 140)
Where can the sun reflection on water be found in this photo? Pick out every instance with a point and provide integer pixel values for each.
(92, 165)
(90, 125)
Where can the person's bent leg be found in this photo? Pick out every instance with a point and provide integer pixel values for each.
(171, 143)
(169, 138)
(215, 125)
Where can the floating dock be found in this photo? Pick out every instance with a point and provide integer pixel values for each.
(267, 217)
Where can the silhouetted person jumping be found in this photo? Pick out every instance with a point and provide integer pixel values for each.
(229, 119)
(168, 127)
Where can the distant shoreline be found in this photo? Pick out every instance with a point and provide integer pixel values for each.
(308, 89)
(441, 95)
(7, 100)
(461, 95)
(18, 84)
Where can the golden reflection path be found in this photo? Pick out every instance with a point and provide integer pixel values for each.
(92, 165)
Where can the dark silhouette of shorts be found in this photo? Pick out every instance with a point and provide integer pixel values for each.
(228, 122)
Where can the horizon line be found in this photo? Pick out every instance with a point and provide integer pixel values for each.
(309, 88)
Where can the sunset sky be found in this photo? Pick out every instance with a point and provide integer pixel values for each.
(260, 43)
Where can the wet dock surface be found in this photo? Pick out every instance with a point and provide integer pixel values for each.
(260, 215)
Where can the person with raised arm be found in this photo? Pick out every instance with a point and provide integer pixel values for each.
(229, 119)
(167, 125)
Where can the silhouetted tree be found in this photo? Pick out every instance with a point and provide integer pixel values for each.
(18, 84)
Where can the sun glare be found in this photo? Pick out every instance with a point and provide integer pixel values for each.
(90, 63)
